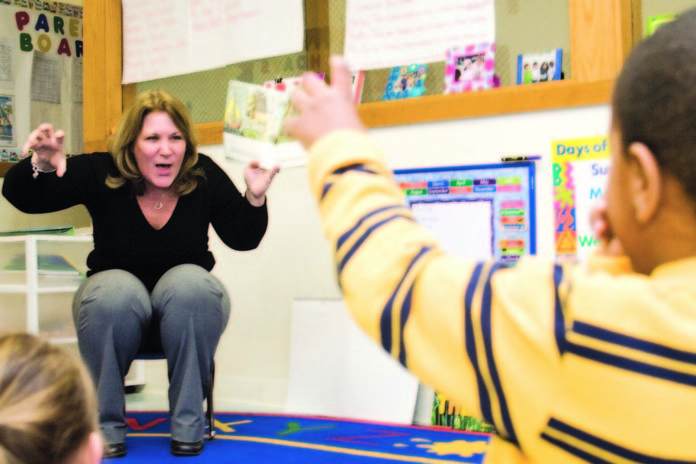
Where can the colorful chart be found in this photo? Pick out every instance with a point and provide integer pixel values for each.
(580, 169)
(478, 211)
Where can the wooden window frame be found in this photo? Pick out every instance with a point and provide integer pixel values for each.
(602, 33)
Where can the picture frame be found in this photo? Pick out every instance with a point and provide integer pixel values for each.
(406, 82)
(540, 67)
(7, 122)
(470, 68)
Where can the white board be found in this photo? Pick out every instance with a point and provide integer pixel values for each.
(337, 371)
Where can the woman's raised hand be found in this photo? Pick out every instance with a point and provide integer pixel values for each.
(47, 146)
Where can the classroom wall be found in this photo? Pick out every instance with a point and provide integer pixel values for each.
(294, 261)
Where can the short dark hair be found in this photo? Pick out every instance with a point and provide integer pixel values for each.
(654, 99)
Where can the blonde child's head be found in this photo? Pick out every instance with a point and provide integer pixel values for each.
(48, 407)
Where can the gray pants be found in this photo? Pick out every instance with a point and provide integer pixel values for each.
(184, 317)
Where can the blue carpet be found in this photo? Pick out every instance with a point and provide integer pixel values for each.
(264, 438)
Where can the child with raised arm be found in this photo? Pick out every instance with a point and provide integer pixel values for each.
(571, 363)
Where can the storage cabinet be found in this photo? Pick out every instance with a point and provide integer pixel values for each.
(41, 274)
(45, 270)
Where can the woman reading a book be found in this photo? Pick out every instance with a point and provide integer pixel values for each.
(152, 199)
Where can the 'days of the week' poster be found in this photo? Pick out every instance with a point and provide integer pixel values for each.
(580, 170)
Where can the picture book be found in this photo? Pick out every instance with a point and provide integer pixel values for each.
(253, 123)
(47, 264)
(286, 85)
(357, 84)
(540, 67)
(406, 82)
(255, 111)
(470, 68)
(65, 230)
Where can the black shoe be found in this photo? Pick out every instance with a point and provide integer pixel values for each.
(114, 450)
(182, 448)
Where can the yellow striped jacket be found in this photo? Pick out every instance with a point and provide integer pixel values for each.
(570, 364)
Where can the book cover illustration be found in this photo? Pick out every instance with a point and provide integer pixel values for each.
(286, 85)
(470, 68)
(406, 82)
(7, 129)
(253, 123)
(540, 67)
(254, 111)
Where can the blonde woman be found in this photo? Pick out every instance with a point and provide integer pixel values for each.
(152, 200)
(48, 409)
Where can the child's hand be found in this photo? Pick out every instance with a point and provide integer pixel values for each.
(609, 245)
(48, 149)
(322, 109)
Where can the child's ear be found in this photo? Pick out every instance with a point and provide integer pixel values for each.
(645, 181)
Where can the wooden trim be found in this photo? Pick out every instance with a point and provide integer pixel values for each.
(209, 133)
(102, 69)
(601, 36)
(504, 100)
(4, 167)
(637, 20)
(317, 36)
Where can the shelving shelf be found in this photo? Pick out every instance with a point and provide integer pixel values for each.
(33, 282)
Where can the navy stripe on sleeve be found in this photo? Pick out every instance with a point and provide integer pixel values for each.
(616, 338)
(343, 170)
(632, 365)
(470, 341)
(385, 322)
(585, 445)
(559, 318)
(644, 358)
(487, 334)
(353, 249)
(343, 238)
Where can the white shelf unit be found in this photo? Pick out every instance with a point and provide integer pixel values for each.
(33, 282)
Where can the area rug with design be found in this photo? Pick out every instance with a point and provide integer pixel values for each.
(267, 438)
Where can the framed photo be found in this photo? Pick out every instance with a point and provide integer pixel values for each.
(406, 82)
(7, 127)
(470, 68)
(540, 67)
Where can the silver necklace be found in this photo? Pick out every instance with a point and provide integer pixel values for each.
(159, 204)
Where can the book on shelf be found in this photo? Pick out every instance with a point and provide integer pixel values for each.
(52, 230)
(48, 264)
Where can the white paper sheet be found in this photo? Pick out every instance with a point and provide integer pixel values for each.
(402, 32)
(45, 78)
(6, 65)
(163, 38)
(337, 371)
(451, 223)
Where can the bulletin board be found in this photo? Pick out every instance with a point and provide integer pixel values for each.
(477, 211)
